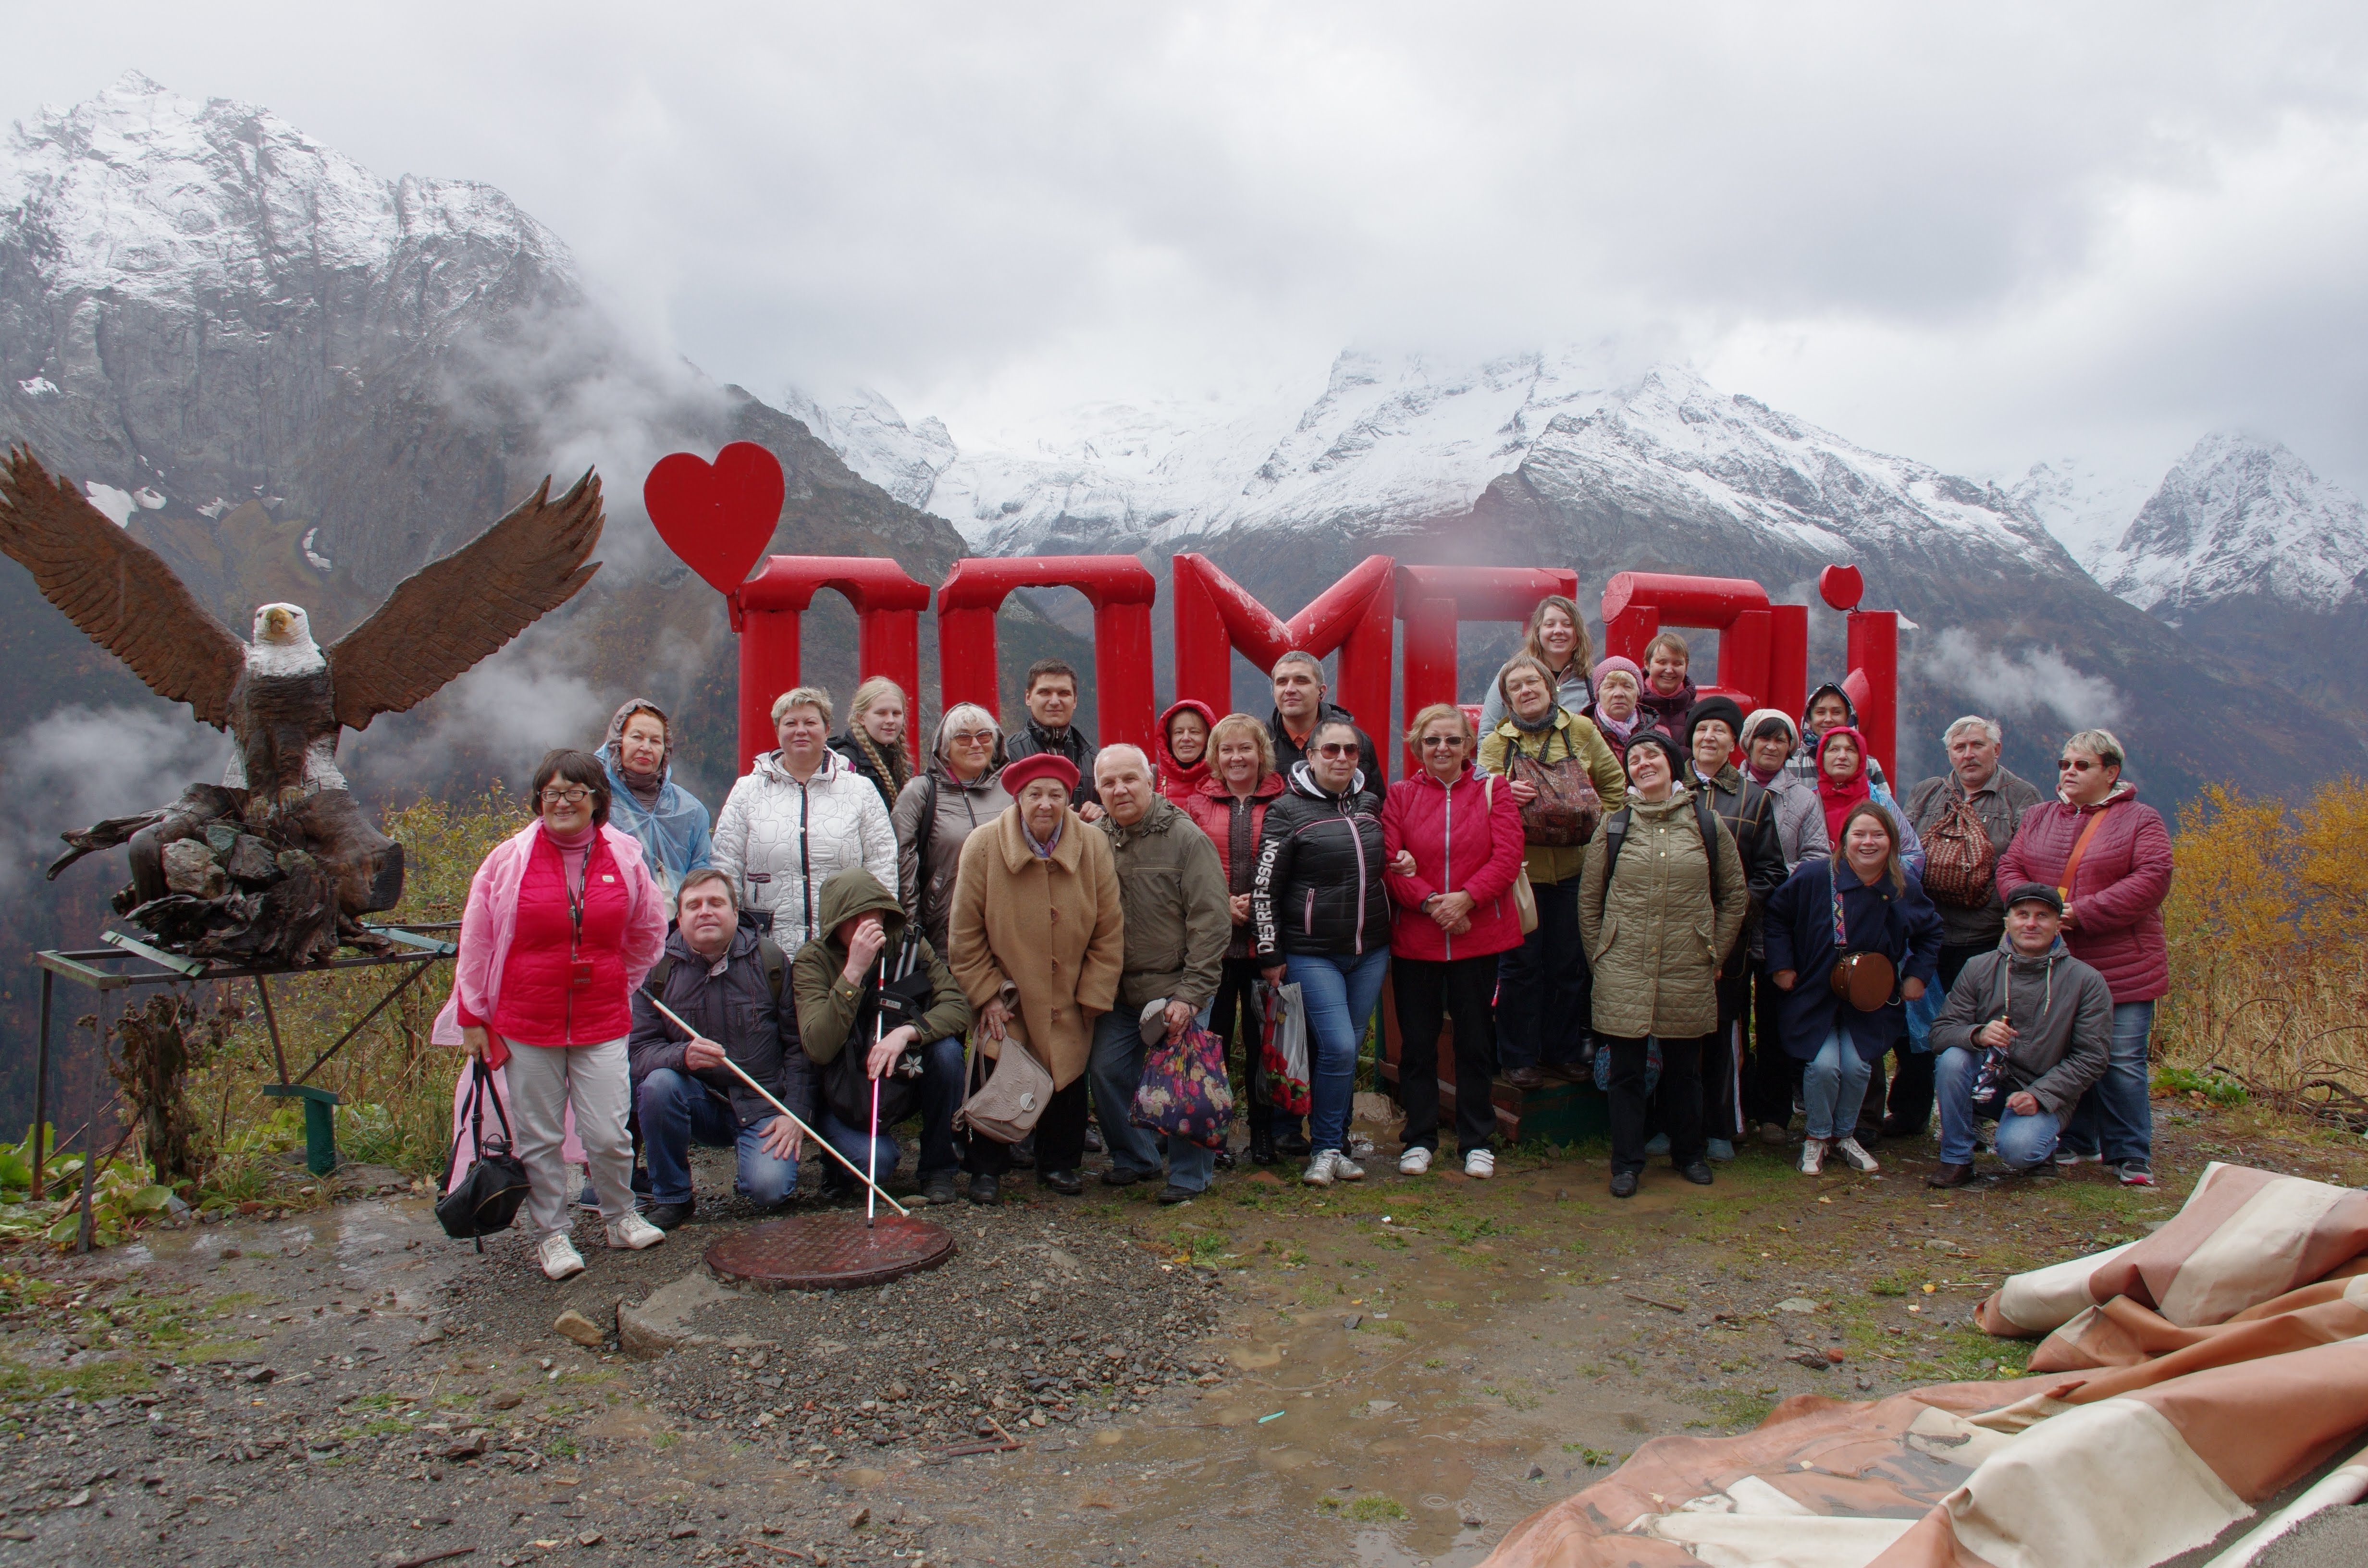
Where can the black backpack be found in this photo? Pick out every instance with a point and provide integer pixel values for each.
(1615, 833)
(895, 994)
(489, 1197)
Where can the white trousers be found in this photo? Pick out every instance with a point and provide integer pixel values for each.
(596, 1081)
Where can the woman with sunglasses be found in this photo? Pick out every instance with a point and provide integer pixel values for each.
(1454, 839)
(563, 921)
(1320, 915)
(2108, 856)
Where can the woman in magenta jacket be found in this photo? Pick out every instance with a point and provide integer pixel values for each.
(563, 921)
(2113, 923)
(1454, 839)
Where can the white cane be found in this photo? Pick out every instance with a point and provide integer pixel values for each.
(820, 1141)
(873, 1144)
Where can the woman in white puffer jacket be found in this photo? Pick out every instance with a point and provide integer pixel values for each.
(801, 814)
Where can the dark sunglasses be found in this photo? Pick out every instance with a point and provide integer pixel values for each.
(2078, 765)
(1441, 742)
(1337, 748)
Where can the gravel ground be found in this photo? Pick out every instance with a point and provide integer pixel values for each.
(1037, 1318)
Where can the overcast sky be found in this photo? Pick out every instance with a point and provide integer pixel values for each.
(1976, 236)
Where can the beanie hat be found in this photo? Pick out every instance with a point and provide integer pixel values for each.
(1725, 708)
(1760, 716)
(1018, 775)
(1670, 748)
(1615, 662)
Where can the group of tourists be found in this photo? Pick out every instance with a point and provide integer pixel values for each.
(1723, 920)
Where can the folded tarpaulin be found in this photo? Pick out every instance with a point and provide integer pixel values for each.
(2185, 1381)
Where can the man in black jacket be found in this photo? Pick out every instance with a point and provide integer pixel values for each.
(722, 978)
(1713, 728)
(1300, 706)
(1052, 697)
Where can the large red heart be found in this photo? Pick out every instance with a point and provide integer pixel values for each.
(718, 517)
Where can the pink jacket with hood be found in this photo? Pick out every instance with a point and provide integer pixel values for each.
(2124, 875)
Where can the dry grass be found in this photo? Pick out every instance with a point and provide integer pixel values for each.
(2267, 922)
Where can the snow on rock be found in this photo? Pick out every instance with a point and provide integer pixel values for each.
(872, 438)
(1391, 444)
(2240, 515)
(149, 195)
(2086, 507)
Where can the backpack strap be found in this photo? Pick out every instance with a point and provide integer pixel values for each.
(1706, 821)
(770, 954)
(653, 985)
(1615, 834)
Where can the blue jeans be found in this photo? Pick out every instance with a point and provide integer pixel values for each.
(1543, 987)
(1833, 1084)
(2116, 1110)
(1340, 990)
(941, 1087)
(2023, 1140)
(678, 1110)
(1116, 1069)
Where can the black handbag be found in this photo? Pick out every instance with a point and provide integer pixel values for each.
(489, 1197)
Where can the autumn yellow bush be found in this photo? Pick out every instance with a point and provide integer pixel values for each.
(2268, 923)
(394, 1089)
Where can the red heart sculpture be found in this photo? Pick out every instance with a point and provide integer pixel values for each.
(1841, 587)
(718, 517)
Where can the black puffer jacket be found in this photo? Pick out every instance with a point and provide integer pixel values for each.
(1750, 813)
(1318, 888)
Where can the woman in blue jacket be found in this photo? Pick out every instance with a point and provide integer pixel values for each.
(1861, 901)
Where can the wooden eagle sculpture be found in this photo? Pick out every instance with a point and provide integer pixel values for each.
(227, 869)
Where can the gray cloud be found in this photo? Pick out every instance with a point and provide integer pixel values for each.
(1978, 236)
(78, 765)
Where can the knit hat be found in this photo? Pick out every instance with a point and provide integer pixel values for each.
(1018, 775)
(2035, 892)
(1627, 667)
(1721, 708)
(1660, 738)
(1758, 716)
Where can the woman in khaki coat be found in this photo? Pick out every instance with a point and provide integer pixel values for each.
(1038, 949)
(1657, 927)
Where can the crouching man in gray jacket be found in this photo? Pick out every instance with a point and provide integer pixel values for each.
(2026, 1029)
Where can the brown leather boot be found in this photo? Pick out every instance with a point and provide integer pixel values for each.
(1951, 1175)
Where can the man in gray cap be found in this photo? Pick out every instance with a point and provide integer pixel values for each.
(2026, 1029)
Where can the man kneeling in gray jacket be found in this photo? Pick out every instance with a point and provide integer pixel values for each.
(2025, 1031)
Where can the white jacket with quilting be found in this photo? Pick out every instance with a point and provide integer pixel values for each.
(780, 840)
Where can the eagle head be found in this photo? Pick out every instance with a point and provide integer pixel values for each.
(283, 642)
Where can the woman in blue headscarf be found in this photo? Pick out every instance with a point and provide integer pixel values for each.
(670, 822)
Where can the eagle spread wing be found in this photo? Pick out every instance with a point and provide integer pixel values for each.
(450, 613)
(117, 589)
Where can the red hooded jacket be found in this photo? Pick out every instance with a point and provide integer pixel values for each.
(2117, 896)
(1216, 812)
(1461, 844)
(1180, 783)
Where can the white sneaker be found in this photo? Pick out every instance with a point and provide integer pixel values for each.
(633, 1231)
(1346, 1169)
(1852, 1151)
(1813, 1156)
(1480, 1164)
(1359, 1145)
(1321, 1168)
(559, 1258)
(1415, 1161)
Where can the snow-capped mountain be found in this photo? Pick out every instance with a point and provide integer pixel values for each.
(2085, 506)
(1387, 447)
(2238, 517)
(872, 438)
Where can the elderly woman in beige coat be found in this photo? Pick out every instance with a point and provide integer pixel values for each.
(1038, 949)
(1661, 900)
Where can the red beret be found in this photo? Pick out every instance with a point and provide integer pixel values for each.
(1018, 775)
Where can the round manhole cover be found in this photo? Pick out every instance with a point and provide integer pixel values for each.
(829, 1251)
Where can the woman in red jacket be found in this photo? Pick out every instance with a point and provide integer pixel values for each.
(1230, 807)
(1184, 750)
(564, 920)
(1454, 838)
(2110, 858)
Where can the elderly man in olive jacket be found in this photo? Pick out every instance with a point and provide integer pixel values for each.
(1177, 920)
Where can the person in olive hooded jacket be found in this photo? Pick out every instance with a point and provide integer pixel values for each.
(837, 981)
